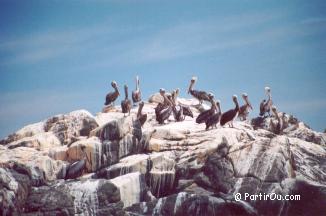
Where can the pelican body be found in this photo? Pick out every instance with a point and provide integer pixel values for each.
(215, 118)
(126, 103)
(163, 111)
(244, 109)
(112, 96)
(200, 95)
(136, 94)
(202, 117)
(141, 117)
(230, 115)
(276, 128)
(265, 105)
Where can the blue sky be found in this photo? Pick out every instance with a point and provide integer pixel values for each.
(58, 56)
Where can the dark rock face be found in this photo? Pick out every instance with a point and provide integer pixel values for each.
(191, 204)
(92, 197)
(312, 198)
(15, 186)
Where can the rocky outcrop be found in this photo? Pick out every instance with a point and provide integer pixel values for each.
(89, 197)
(174, 169)
(64, 127)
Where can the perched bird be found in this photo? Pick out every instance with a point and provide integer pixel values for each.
(141, 117)
(230, 115)
(200, 95)
(244, 109)
(164, 111)
(177, 110)
(112, 96)
(202, 117)
(136, 94)
(186, 109)
(215, 118)
(126, 103)
(265, 106)
(278, 127)
(161, 106)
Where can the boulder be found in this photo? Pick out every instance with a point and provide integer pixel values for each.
(90, 197)
(36, 164)
(132, 188)
(15, 186)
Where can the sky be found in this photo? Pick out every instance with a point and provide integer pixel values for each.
(59, 56)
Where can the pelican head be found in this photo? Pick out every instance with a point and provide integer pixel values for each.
(162, 91)
(218, 105)
(274, 109)
(244, 95)
(234, 97)
(177, 91)
(193, 79)
(267, 89)
(210, 95)
(114, 84)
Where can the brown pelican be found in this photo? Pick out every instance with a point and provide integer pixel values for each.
(230, 115)
(276, 128)
(162, 105)
(141, 117)
(126, 103)
(244, 109)
(112, 96)
(265, 106)
(200, 95)
(186, 109)
(177, 110)
(164, 110)
(215, 118)
(136, 94)
(202, 117)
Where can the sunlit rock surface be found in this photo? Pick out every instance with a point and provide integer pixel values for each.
(177, 168)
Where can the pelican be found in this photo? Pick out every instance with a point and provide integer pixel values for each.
(215, 118)
(162, 105)
(244, 109)
(202, 117)
(200, 95)
(164, 110)
(276, 128)
(141, 117)
(112, 96)
(185, 109)
(265, 106)
(136, 94)
(177, 110)
(126, 103)
(230, 115)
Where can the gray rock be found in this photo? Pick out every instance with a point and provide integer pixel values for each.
(90, 197)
